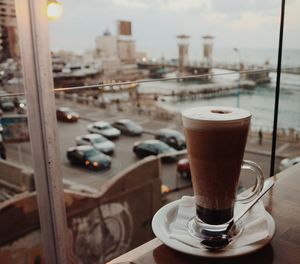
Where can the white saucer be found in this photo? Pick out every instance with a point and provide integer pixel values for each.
(166, 216)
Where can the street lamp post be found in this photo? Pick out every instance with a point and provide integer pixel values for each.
(239, 80)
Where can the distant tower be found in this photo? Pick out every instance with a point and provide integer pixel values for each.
(208, 49)
(126, 45)
(183, 50)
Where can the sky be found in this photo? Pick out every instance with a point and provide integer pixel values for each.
(156, 23)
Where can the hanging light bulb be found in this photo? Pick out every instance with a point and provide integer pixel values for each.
(54, 9)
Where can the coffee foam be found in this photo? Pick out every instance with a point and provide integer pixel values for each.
(207, 116)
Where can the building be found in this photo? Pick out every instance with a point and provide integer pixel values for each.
(70, 69)
(107, 52)
(118, 55)
(8, 36)
(126, 44)
(126, 50)
(107, 45)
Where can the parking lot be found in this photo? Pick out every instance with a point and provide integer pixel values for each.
(123, 155)
(122, 158)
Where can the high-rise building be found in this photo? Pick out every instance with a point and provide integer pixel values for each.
(107, 51)
(117, 54)
(107, 45)
(8, 25)
(126, 45)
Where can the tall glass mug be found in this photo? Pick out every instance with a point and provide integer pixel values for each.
(216, 138)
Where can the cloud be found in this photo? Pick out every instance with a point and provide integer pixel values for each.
(156, 23)
(240, 6)
(131, 3)
(164, 5)
(251, 21)
(292, 20)
(215, 18)
(292, 25)
(183, 5)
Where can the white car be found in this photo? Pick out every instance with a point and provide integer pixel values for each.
(104, 129)
(285, 163)
(97, 141)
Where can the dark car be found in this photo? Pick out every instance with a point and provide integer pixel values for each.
(183, 168)
(7, 105)
(154, 147)
(88, 157)
(66, 114)
(128, 127)
(171, 137)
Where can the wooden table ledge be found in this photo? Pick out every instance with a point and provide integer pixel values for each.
(282, 202)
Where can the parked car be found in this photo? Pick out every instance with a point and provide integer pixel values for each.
(21, 107)
(7, 105)
(183, 168)
(104, 129)
(66, 114)
(128, 127)
(171, 137)
(97, 141)
(88, 157)
(285, 163)
(154, 147)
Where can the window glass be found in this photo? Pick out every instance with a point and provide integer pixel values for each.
(288, 151)
(161, 39)
(233, 44)
(20, 236)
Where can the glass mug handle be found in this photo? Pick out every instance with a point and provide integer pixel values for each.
(250, 165)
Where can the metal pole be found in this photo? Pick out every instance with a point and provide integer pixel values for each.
(239, 80)
(38, 82)
(238, 92)
(277, 91)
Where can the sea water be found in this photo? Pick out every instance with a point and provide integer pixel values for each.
(260, 101)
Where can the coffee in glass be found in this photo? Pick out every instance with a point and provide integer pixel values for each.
(216, 139)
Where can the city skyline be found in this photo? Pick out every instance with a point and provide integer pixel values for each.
(247, 24)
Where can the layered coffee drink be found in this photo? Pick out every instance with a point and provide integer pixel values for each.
(216, 139)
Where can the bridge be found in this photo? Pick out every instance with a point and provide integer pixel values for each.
(159, 69)
(235, 67)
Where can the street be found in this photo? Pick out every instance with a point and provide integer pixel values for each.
(123, 156)
(121, 159)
